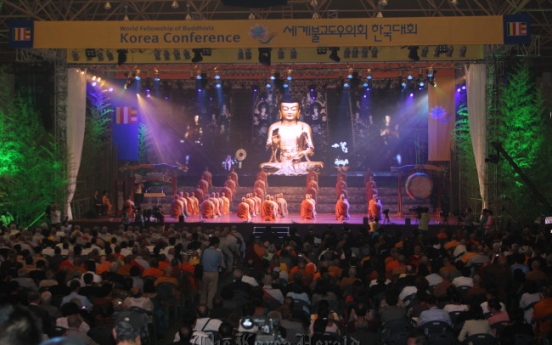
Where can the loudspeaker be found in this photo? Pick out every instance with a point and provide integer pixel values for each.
(407, 221)
(254, 3)
(365, 221)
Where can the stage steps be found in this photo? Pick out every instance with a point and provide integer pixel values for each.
(327, 198)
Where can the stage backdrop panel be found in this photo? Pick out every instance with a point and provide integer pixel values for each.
(441, 116)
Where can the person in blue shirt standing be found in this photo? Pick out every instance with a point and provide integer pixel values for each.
(211, 260)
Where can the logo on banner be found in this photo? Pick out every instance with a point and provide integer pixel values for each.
(21, 34)
(260, 33)
(126, 116)
(517, 29)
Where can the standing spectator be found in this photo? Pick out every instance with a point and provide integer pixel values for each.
(211, 260)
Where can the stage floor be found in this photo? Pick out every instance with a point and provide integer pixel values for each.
(292, 218)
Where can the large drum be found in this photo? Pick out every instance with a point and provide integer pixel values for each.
(419, 186)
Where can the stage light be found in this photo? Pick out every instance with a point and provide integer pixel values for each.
(107, 6)
(346, 83)
(347, 53)
(333, 54)
(248, 55)
(431, 76)
(156, 74)
(369, 74)
(281, 54)
(293, 54)
(272, 75)
(440, 49)
(176, 54)
(430, 72)
(413, 53)
(251, 15)
(454, 2)
(157, 55)
(121, 56)
(425, 50)
(83, 71)
(268, 85)
(197, 56)
(218, 84)
(94, 83)
(240, 54)
(137, 74)
(421, 83)
(109, 55)
(90, 54)
(463, 51)
(450, 51)
(265, 56)
(289, 76)
(217, 75)
(285, 85)
(166, 55)
(403, 84)
(174, 4)
(350, 74)
(364, 53)
(354, 53)
(100, 54)
(199, 76)
(411, 94)
(110, 89)
(375, 52)
(129, 82)
(409, 76)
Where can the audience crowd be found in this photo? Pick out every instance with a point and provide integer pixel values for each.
(130, 285)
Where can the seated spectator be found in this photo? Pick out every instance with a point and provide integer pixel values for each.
(433, 313)
(474, 324)
(518, 326)
(18, 326)
(499, 315)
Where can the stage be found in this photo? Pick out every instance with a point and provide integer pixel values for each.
(323, 221)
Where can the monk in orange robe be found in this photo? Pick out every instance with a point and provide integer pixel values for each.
(225, 203)
(243, 211)
(258, 201)
(184, 202)
(267, 210)
(261, 175)
(342, 176)
(374, 209)
(260, 193)
(207, 209)
(370, 188)
(312, 175)
(195, 198)
(282, 205)
(190, 204)
(342, 208)
(251, 202)
(340, 188)
(234, 176)
(204, 186)
(230, 183)
(207, 176)
(176, 207)
(216, 204)
(307, 208)
(260, 184)
(199, 194)
(227, 193)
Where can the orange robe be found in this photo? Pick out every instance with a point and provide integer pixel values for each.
(207, 176)
(313, 192)
(260, 193)
(243, 211)
(207, 209)
(340, 186)
(260, 184)
(225, 208)
(227, 192)
(204, 185)
(216, 209)
(251, 204)
(234, 176)
(307, 210)
(231, 184)
(342, 209)
(267, 211)
(190, 205)
(374, 210)
(184, 202)
(198, 193)
(311, 174)
(282, 207)
(195, 202)
(261, 175)
(258, 201)
(176, 208)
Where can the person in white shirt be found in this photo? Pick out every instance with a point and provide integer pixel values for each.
(204, 323)
(55, 216)
(269, 290)
(464, 280)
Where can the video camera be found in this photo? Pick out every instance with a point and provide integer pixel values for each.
(268, 331)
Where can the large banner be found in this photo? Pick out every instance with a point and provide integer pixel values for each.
(262, 33)
(441, 116)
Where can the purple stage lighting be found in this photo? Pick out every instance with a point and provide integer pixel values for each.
(412, 94)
